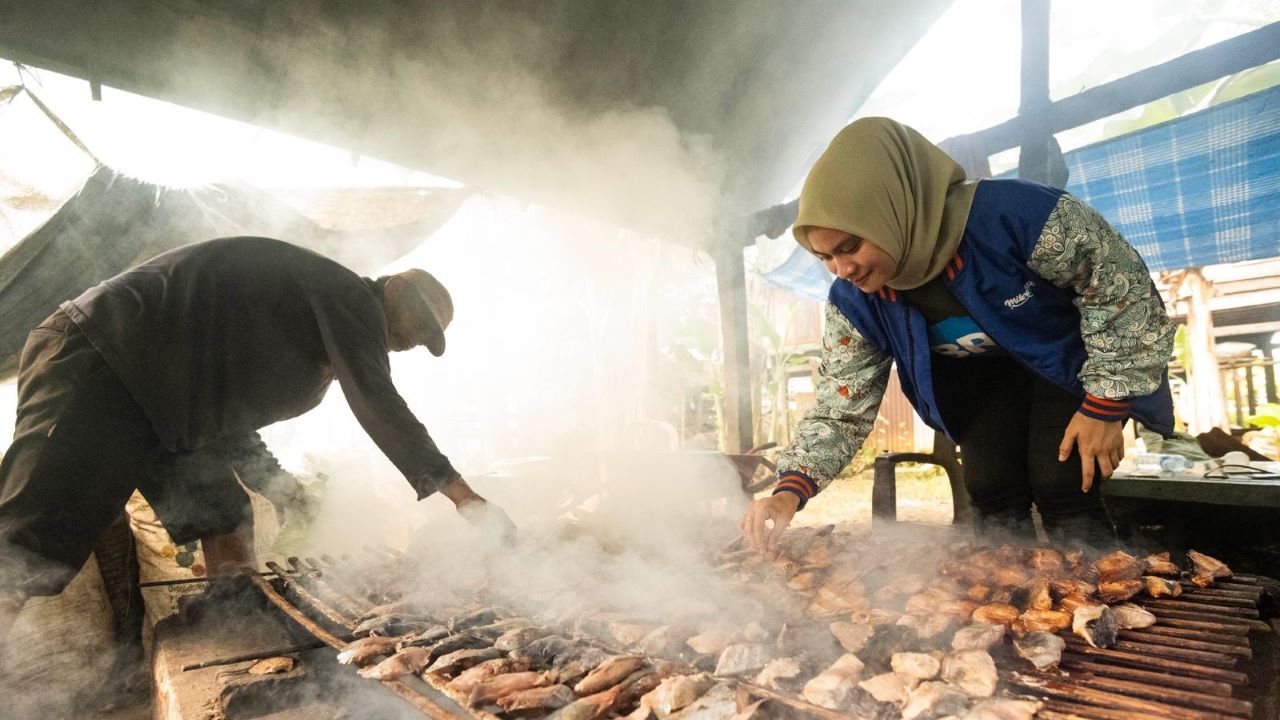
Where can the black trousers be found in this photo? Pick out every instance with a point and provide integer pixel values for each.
(81, 446)
(1009, 423)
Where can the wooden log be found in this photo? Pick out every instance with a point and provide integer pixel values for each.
(1067, 690)
(321, 586)
(310, 599)
(1055, 709)
(1177, 667)
(1204, 621)
(1180, 642)
(1192, 634)
(1202, 607)
(1251, 595)
(1239, 600)
(1170, 653)
(1210, 687)
(422, 703)
(1165, 694)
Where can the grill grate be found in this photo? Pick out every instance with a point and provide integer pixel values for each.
(1191, 665)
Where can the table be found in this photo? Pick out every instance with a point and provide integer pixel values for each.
(1232, 490)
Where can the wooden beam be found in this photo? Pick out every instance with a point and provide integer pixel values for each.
(1033, 107)
(1209, 409)
(731, 283)
(1228, 57)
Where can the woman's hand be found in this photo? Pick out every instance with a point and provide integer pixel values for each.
(755, 523)
(1097, 440)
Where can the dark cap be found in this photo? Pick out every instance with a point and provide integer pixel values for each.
(436, 311)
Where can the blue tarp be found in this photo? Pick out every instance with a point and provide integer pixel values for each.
(1199, 190)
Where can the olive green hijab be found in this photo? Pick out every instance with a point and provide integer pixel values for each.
(887, 184)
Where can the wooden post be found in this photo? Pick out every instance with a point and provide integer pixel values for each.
(1269, 369)
(731, 283)
(1209, 409)
(1033, 159)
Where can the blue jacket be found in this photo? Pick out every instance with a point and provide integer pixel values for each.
(1031, 319)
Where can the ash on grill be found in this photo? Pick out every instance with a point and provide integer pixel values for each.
(844, 626)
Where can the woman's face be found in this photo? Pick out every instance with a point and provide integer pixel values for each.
(852, 258)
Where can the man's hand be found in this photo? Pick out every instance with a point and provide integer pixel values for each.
(754, 525)
(479, 512)
(1097, 440)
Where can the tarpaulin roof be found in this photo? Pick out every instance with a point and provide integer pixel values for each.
(1200, 190)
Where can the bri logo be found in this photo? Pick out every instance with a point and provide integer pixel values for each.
(1022, 297)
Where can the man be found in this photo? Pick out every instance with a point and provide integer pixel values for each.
(154, 378)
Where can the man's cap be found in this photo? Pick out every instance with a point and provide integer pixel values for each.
(436, 311)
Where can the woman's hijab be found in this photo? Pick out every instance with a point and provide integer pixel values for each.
(887, 184)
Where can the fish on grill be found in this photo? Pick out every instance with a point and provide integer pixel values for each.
(543, 650)
(518, 637)
(393, 625)
(1117, 591)
(713, 641)
(409, 661)
(1069, 603)
(979, 636)
(498, 628)
(835, 686)
(973, 671)
(1095, 623)
(1042, 649)
(780, 673)
(664, 640)
(609, 673)
(1160, 564)
(1206, 569)
(978, 593)
(891, 687)
(482, 616)
(427, 636)
(575, 662)
(630, 633)
(676, 693)
(444, 646)
(469, 678)
(549, 697)
(365, 649)
(1158, 587)
(1039, 596)
(937, 699)
(744, 659)
(593, 706)
(1041, 621)
(1002, 613)
(1069, 586)
(852, 636)
(494, 688)
(1118, 565)
(459, 660)
(1132, 617)
(921, 666)
(1047, 562)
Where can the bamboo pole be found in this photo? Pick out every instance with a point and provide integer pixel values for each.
(1188, 643)
(1210, 687)
(1177, 667)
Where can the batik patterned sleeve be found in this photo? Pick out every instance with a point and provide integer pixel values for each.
(853, 377)
(1127, 335)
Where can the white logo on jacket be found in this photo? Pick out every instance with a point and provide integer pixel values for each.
(1021, 297)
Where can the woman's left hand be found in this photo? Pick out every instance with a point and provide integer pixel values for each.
(1098, 441)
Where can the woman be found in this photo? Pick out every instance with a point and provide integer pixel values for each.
(1021, 323)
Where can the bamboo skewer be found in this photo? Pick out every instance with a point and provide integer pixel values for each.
(256, 655)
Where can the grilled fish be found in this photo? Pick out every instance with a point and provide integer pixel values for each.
(1160, 564)
(609, 673)
(543, 650)
(1206, 569)
(1042, 649)
(1096, 624)
(365, 649)
(491, 689)
(1158, 587)
(459, 660)
(409, 661)
(833, 687)
(1041, 621)
(1002, 613)
(979, 636)
(516, 638)
(472, 676)
(549, 697)
(973, 671)
(1118, 565)
(1130, 616)
(1119, 590)
(921, 666)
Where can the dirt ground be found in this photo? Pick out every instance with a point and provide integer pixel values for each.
(923, 497)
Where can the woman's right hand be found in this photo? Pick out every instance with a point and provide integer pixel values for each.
(765, 519)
